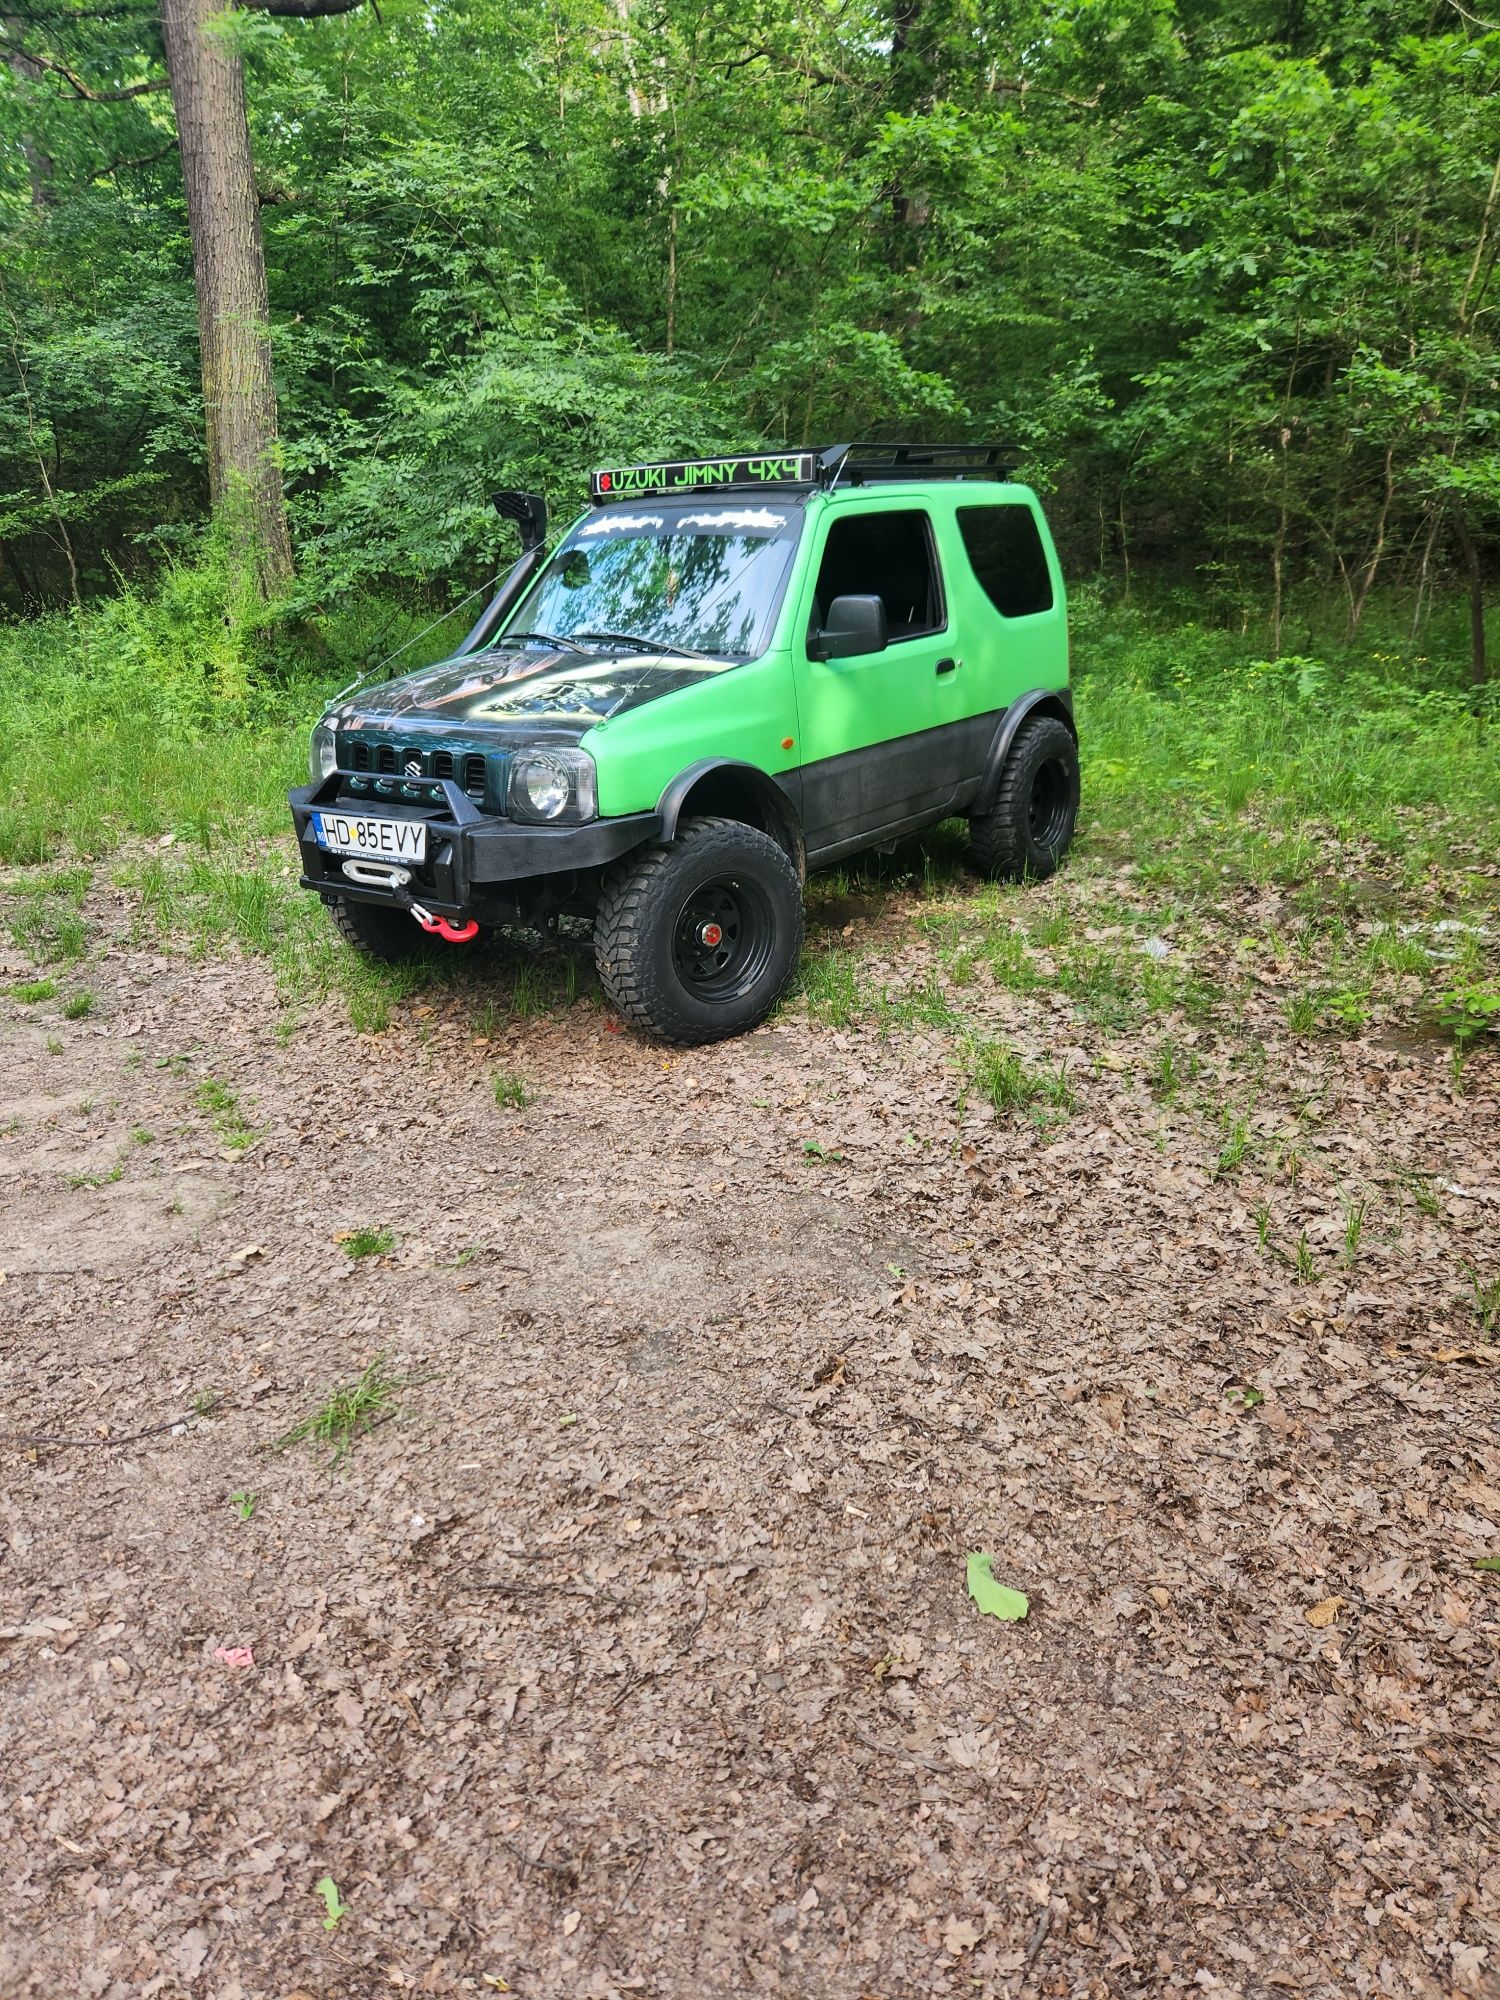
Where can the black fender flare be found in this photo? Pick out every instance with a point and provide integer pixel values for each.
(1049, 701)
(781, 809)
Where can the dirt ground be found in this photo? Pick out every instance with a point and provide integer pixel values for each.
(632, 1654)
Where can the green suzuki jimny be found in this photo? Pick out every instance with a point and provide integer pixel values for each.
(729, 671)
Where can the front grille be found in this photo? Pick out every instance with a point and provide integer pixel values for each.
(389, 760)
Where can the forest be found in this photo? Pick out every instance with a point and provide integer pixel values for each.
(1221, 270)
(984, 1485)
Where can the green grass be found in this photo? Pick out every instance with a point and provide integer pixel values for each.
(1485, 1297)
(368, 1242)
(1365, 794)
(349, 1413)
(512, 1092)
(1354, 1229)
(78, 1005)
(995, 1071)
(829, 982)
(31, 991)
(221, 1106)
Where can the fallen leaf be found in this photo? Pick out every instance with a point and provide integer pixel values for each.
(328, 1889)
(571, 1922)
(40, 1628)
(994, 1598)
(959, 1935)
(1488, 1357)
(1324, 1611)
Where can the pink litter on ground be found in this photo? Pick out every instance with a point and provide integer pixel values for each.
(234, 1656)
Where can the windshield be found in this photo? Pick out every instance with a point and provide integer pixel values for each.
(703, 580)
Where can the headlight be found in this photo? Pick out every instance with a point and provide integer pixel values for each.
(322, 755)
(553, 785)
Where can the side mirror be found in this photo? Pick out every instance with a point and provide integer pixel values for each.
(528, 511)
(855, 625)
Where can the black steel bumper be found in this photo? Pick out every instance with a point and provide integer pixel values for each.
(476, 865)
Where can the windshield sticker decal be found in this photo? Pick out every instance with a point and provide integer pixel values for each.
(622, 524)
(745, 520)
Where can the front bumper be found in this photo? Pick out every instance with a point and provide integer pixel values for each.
(477, 865)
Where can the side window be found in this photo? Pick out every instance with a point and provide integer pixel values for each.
(1005, 547)
(889, 556)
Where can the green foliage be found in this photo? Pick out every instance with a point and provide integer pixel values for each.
(1467, 1011)
(1226, 281)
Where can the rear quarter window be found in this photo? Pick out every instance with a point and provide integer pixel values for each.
(1004, 547)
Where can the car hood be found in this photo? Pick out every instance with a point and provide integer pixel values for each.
(552, 692)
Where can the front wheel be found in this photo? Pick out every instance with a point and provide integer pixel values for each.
(1026, 832)
(382, 932)
(698, 939)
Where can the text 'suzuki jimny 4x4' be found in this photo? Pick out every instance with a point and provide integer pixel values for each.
(728, 672)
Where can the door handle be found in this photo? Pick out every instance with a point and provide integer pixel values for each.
(948, 666)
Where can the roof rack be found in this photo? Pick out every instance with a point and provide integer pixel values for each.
(858, 464)
(826, 466)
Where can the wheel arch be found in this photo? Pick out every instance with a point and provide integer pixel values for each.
(725, 788)
(1056, 702)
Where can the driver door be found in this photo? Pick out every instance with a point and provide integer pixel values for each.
(873, 743)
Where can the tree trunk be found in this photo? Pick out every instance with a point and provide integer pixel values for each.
(1478, 664)
(229, 270)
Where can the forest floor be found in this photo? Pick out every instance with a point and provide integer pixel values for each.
(628, 1650)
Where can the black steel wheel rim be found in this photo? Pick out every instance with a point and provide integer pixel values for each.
(1050, 803)
(722, 939)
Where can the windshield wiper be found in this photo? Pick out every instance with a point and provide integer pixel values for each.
(545, 638)
(646, 645)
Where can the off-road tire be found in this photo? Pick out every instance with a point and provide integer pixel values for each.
(1026, 832)
(654, 941)
(384, 933)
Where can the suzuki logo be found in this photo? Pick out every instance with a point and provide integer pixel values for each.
(412, 767)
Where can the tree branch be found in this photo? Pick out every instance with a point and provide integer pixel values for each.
(81, 89)
(144, 160)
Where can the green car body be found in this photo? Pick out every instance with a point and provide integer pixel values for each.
(867, 709)
(866, 655)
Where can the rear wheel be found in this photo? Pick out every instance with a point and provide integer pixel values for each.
(698, 939)
(1027, 830)
(382, 932)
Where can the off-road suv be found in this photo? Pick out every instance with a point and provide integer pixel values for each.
(729, 671)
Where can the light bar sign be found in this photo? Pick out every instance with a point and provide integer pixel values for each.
(696, 474)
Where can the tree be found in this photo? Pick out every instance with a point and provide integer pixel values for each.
(229, 272)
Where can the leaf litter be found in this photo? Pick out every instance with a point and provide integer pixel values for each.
(691, 1668)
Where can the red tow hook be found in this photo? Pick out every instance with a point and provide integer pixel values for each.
(441, 927)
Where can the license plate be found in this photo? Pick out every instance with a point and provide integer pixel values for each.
(371, 835)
